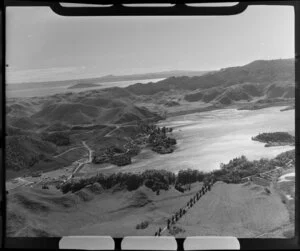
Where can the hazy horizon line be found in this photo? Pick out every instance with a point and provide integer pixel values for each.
(126, 74)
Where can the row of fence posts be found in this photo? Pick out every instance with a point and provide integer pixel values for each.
(190, 203)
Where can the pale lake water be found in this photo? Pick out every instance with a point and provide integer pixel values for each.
(206, 139)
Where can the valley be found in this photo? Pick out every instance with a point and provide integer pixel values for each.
(95, 138)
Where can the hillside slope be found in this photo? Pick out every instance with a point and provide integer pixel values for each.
(262, 78)
(108, 106)
(235, 210)
(25, 151)
(228, 209)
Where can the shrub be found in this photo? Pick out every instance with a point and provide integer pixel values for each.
(289, 233)
(267, 190)
(133, 182)
(142, 225)
(189, 176)
(176, 230)
(58, 138)
(179, 188)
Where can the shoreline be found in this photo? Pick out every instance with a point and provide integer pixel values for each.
(138, 162)
(240, 107)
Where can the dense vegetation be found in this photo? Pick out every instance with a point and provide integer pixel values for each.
(239, 168)
(274, 137)
(149, 134)
(159, 141)
(286, 157)
(58, 138)
(232, 172)
(154, 179)
(25, 151)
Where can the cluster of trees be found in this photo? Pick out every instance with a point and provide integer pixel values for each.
(122, 155)
(115, 155)
(147, 128)
(284, 158)
(157, 180)
(241, 167)
(151, 128)
(189, 176)
(153, 179)
(274, 137)
(58, 138)
(142, 225)
(159, 141)
(185, 178)
(235, 170)
(156, 137)
(232, 172)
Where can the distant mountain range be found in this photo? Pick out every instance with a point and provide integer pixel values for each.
(163, 74)
(259, 79)
(274, 79)
(258, 72)
(111, 78)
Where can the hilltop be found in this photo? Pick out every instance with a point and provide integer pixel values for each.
(105, 79)
(108, 106)
(261, 71)
(163, 74)
(256, 85)
(261, 83)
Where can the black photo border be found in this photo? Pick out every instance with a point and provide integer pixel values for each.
(179, 9)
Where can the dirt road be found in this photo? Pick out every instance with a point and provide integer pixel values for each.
(89, 150)
(83, 162)
(71, 149)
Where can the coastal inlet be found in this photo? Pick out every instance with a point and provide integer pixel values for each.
(207, 139)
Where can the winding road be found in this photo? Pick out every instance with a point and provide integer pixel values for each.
(81, 164)
(71, 149)
(89, 150)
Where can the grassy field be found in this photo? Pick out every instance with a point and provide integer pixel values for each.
(228, 209)
(235, 210)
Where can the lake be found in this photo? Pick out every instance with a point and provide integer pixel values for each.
(206, 139)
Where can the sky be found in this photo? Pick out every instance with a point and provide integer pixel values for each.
(43, 46)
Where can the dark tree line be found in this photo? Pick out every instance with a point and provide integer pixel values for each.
(156, 180)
